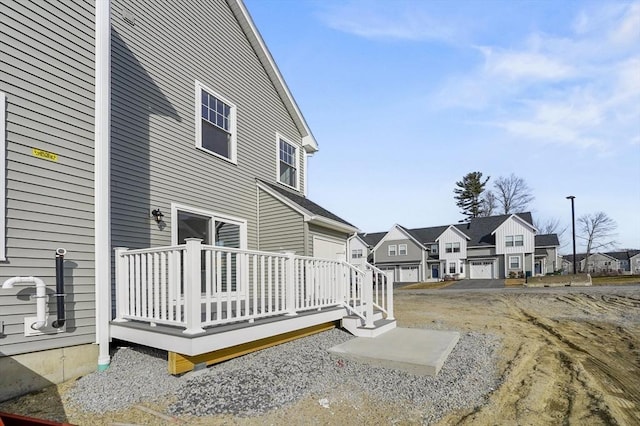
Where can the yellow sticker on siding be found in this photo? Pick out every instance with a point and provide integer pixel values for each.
(44, 154)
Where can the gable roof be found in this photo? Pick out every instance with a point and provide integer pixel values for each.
(372, 238)
(547, 240)
(402, 229)
(623, 254)
(456, 230)
(305, 206)
(480, 229)
(255, 39)
(428, 235)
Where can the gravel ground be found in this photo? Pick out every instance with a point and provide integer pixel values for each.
(282, 375)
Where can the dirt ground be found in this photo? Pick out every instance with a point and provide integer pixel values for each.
(568, 356)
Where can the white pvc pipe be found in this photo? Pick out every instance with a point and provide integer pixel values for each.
(41, 296)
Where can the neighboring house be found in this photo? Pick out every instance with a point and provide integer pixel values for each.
(168, 134)
(621, 262)
(598, 263)
(486, 247)
(634, 263)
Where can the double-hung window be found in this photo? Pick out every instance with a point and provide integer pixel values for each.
(392, 251)
(452, 268)
(215, 124)
(356, 254)
(514, 240)
(402, 250)
(452, 247)
(514, 262)
(287, 163)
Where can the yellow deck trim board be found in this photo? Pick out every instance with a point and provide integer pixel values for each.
(179, 363)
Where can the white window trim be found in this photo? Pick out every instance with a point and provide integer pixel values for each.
(3, 172)
(514, 267)
(518, 242)
(395, 250)
(233, 150)
(400, 246)
(297, 161)
(455, 268)
(213, 215)
(357, 254)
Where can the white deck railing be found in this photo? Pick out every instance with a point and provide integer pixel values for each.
(196, 286)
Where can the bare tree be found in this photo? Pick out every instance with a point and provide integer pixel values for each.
(488, 204)
(550, 226)
(597, 230)
(513, 194)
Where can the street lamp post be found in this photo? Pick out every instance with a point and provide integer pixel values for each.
(573, 226)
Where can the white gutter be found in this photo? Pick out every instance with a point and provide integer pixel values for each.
(41, 298)
(102, 215)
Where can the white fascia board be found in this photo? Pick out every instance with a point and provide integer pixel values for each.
(518, 219)
(456, 230)
(332, 224)
(253, 35)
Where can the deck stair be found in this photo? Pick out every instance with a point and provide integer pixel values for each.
(355, 325)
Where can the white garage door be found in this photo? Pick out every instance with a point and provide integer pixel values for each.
(408, 274)
(482, 269)
(328, 249)
(390, 273)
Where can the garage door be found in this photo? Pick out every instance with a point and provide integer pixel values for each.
(328, 249)
(390, 273)
(409, 274)
(481, 269)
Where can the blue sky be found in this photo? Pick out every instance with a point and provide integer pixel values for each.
(406, 97)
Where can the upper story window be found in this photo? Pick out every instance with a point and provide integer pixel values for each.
(215, 124)
(434, 249)
(514, 240)
(392, 251)
(402, 250)
(287, 163)
(452, 247)
(356, 254)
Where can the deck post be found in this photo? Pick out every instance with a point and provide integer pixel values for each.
(192, 286)
(367, 297)
(122, 284)
(390, 315)
(290, 284)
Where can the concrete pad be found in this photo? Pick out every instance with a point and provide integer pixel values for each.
(414, 350)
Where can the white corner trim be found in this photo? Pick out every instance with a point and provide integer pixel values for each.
(3, 174)
(102, 182)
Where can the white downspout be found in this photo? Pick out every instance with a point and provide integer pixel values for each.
(41, 298)
(102, 180)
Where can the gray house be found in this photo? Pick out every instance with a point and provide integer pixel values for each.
(162, 150)
(486, 247)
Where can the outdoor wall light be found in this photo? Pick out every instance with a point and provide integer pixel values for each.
(157, 215)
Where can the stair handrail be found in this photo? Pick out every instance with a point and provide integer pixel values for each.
(386, 304)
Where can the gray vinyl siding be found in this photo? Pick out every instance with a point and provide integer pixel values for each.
(280, 227)
(480, 251)
(316, 230)
(414, 252)
(47, 74)
(155, 64)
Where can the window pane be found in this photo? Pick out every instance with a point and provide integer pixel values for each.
(191, 225)
(215, 139)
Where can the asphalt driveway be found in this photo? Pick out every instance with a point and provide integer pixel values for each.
(475, 284)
